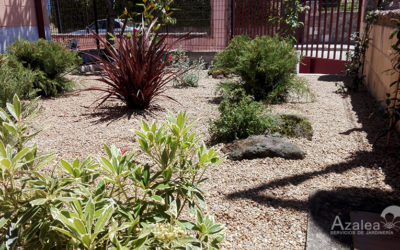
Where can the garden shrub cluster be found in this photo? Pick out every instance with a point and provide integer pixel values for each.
(266, 66)
(114, 201)
(35, 68)
(241, 116)
(50, 60)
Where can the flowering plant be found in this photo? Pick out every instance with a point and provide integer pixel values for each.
(188, 71)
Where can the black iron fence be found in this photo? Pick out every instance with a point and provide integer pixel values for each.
(74, 16)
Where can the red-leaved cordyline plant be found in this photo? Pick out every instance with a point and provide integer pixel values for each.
(135, 69)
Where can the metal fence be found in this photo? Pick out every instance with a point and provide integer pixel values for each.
(70, 20)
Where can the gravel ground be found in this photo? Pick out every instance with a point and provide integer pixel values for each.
(263, 202)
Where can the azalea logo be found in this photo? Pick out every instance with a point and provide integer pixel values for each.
(388, 224)
(392, 223)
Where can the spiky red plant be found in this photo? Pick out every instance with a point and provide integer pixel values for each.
(135, 69)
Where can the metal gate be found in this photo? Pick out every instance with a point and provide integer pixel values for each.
(323, 41)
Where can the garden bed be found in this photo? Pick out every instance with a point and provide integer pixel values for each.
(263, 202)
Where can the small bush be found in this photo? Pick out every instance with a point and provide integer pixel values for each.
(228, 58)
(266, 66)
(50, 60)
(115, 201)
(293, 126)
(189, 70)
(240, 117)
(15, 79)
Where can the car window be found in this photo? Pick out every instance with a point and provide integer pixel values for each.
(117, 25)
(101, 24)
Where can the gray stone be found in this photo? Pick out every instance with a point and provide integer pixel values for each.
(261, 146)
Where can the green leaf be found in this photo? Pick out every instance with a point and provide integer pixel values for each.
(106, 165)
(20, 154)
(145, 126)
(2, 149)
(108, 151)
(146, 175)
(4, 116)
(89, 212)
(143, 145)
(65, 165)
(3, 222)
(17, 106)
(157, 198)
(103, 220)
(86, 240)
(11, 110)
(164, 158)
(38, 202)
(10, 128)
(67, 199)
(215, 229)
(6, 163)
(186, 224)
(109, 180)
(64, 220)
(63, 231)
(79, 226)
(161, 186)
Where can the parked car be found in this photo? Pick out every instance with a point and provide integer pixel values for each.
(102, 26)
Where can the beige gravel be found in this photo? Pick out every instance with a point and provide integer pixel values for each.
(263, 202)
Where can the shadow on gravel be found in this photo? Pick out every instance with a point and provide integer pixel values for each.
(324, 206)
(331, 78)
(110, 114)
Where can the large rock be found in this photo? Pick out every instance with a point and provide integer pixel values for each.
(261, 146)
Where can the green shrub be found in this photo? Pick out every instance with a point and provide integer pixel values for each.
(266, 66)
(15, 79)
(228, 58)
(293, 126)
(50, 60)
(240, 117)
(117, 201)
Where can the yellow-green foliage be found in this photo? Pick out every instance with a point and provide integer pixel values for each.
(114, 201)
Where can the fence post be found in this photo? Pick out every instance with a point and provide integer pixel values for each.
(40, 19)
(59, 26)
(96, 25)
(232, 17)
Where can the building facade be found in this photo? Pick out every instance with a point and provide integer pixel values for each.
(20, 19)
